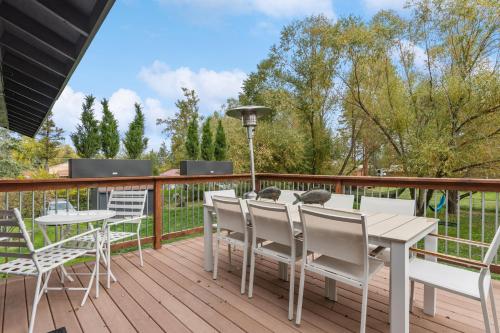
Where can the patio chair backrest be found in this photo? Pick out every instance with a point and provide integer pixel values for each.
(288, 197)
(340, 201)
(207, 195)
(229, 213)
(127, 203)
(14, 236)
(493, 249)
(271, 221)
(387, 205)
(336, 234)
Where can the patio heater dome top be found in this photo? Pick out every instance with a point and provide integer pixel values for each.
(248, 113)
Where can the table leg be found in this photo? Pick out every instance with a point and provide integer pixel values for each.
(430, 292)
(208, 251)
(330, 289)
(283, 271)
(400, 308)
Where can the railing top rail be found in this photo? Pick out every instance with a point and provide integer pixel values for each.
(463, 184)
(16, 185)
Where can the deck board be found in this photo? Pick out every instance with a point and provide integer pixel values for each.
(172, 293)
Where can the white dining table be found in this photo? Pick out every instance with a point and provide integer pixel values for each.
(66, 219)
(396, 232)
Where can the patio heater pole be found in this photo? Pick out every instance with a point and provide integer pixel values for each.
(248, 116)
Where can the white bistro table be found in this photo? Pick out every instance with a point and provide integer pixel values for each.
(396, 232)
(65, 219)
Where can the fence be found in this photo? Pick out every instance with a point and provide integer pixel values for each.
(467, 208)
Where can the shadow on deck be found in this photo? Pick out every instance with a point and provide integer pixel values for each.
(172, 293)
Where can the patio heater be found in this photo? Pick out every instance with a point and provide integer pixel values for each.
(248, 115)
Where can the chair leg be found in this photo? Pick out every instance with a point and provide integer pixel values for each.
(291, 292)
(95, 275)
(108, 266)
(484, 307)
(412, 294)
(494, 309)
(364, 304)
(36, 298)
(216, 260)
(244, 269)
(301, 294)
(252, 273)
(140, 249)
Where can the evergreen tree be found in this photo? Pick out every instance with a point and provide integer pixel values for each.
(86, 139)
(192, 142)
(110, 138)
(50, 138)
(207, 147)
(134, 142)
(220, 149)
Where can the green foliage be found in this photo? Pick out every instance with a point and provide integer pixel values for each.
(220, 146)
(50, 138)
(110, 137)
(176, 126)
(87, 138)
(135, 142)
(207, 146)
(9, 167)
(192, 141)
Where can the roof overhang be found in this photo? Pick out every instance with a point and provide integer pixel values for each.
(41, 44)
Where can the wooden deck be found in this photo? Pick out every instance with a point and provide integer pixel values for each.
(172, 293)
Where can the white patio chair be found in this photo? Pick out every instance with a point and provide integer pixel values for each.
(467, 283)
(340, 201)
(129, 208)
(28, 261)
(231, 217)
(288, 197)
(342, 240)
(372, 205)
(272, 222)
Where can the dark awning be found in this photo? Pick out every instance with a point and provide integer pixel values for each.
(41, 44)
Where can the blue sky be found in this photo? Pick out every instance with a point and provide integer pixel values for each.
(146, 50)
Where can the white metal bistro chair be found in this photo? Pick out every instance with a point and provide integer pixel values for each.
(372, 205)
(342, 240)
(467, 283)
(231, 217)
(129, 208)
(28, 261)
(272, 222)
(340, 201)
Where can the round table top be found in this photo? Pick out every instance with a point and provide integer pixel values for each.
(75, 217)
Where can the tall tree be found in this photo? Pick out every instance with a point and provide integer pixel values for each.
(176, 126)
(9, 167)
(110, 137)
(50, 138)
(192, 140)
(86, 139)
(207, 146)
(135, 142)
(220, 147)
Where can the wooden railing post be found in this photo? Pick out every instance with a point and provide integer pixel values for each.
(338, 187)
(158, 214)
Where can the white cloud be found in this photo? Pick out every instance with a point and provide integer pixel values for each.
(68, 108)
(273, 8)
(419, 55)
(212, 87)
(376, 5)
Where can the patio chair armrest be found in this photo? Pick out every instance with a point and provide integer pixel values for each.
(461, 240)
(454, 259)
(134, 220)
(69, 239)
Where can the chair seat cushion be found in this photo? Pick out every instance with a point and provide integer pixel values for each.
(281, 250)
(446, 277)
(47, 260)
(344, 268)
